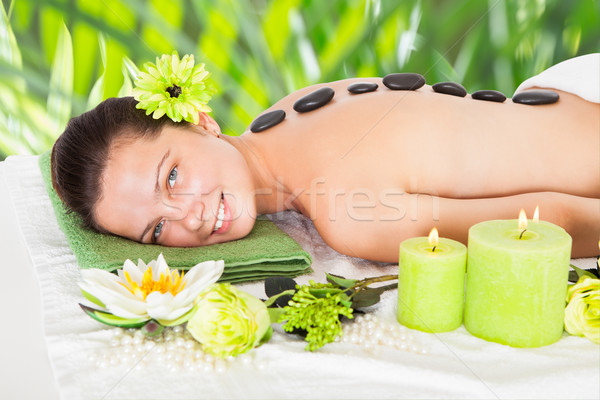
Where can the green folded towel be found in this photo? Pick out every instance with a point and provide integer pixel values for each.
(266, 251)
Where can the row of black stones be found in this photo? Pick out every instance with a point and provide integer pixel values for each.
(399, 81)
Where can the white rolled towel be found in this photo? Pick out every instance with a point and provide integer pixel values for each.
(579, 75)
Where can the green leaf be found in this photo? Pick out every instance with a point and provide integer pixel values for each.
(322, 292)
(92, 298)
(340, 281)
(112, 320)
(9, 50)
(579, 272)
(61, 82)
(366, 297)
(267, 336)
(97, 93)
(280, 299)
(127, 88)
(275, 314)
(130, 66)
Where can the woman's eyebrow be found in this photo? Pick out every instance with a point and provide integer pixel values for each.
(156, 193)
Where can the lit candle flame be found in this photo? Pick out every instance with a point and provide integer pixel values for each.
(536, 214)
(522, 220)
(433, 238)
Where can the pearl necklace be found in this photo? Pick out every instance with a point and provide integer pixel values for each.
(372, 334)
(174, 349)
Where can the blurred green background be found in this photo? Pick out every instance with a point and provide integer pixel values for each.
(59, 58)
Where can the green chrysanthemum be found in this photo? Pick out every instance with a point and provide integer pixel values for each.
(174, 87)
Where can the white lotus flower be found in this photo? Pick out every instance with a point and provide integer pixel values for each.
(142, 292)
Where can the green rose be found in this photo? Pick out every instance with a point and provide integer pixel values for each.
(582, 315)
(229, 322)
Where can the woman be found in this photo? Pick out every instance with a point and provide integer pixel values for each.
(370, 170)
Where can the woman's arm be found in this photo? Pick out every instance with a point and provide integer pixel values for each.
(379, 238)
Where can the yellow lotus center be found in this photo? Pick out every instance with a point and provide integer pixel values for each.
(171, 282)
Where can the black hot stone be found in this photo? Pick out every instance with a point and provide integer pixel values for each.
(489, 95)
(535, 97)
(404, 81)
(451, 88)
(362, 87)
(314, 100)
(267, 120)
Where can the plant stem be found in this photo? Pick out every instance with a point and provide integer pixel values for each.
(367, 281)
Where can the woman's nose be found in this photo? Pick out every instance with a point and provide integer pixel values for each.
(186, 209)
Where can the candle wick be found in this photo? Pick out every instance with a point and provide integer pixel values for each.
(433, 250)
(521, 235)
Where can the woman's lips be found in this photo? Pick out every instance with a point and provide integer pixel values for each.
(226, 216)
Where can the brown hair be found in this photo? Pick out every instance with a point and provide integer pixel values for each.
(80, 154)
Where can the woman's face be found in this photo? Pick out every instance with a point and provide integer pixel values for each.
(182, 188)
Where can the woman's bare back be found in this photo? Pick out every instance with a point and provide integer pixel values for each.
(370, 169)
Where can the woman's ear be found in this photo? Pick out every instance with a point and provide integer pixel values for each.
(209, 124)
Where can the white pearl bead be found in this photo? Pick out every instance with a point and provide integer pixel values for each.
(177, 329)
(172, 367)
(179, 342)
(209, 358)
(260, 365)
(198, 354)
(245, 359)
(220, 366)
(189, 345)
(125, 340)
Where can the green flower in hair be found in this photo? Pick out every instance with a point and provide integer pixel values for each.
(174, 87)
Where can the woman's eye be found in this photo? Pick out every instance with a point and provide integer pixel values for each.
(157, 230)
(172, 177)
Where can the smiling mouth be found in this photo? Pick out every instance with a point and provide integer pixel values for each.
(220, 214)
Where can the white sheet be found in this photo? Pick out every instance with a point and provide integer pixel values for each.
(578, 75)
(457, 364)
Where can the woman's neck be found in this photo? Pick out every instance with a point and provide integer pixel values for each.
(271, 194)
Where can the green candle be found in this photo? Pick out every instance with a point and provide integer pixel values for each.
(431, 283)
(517, 282)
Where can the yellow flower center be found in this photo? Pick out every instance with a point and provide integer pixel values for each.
(171, 282)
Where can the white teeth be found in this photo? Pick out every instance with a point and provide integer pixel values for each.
(220, 216)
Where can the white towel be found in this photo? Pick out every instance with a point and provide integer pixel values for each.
(579, 75)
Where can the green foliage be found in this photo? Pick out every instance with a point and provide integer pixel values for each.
(316, 313)
(59, 58)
